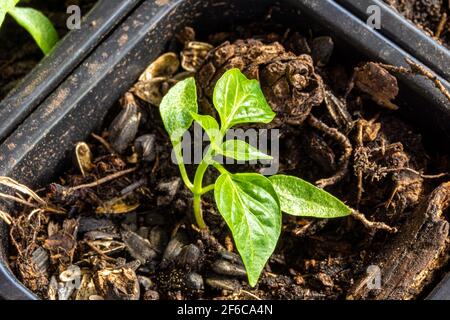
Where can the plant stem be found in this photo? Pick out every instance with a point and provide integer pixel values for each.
(208, 188)
(198, 189)
(184, 175)
(198, 211)
(220, 168)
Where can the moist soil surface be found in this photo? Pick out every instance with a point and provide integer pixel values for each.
(432, 16)
(120, 219)
(19, 54)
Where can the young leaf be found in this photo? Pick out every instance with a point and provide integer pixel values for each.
(176, 108)
(210, 125)
(251, 209)
(300, 198)
(241, 151)
(240, 100)
(5, 6)
(38, 25)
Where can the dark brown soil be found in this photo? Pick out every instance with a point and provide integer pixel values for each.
(131, 232)
(18, 52)
(433, 16)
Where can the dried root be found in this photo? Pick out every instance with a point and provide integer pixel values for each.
(6, 217)
(8, 182)
(373, 225)
(103, 180)
(418, 69)
(346, 154)
(421, 70)
(441, 26)
(35, 201)
(25, 234)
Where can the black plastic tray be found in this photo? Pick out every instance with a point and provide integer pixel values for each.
(51, 71)
(40, 148)
(406, 34)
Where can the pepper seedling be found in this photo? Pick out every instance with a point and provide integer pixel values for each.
(250, 203)
(36, 23)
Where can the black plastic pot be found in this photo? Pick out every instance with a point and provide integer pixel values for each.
(67, 55)
(406, 34)
(41, 147)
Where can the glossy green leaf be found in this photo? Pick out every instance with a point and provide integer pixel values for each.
(38, 25)
(176, 108)
(300, 198)
(240, 100)
(251, 209)
(242, 151)
(210, 125)
(5, 6)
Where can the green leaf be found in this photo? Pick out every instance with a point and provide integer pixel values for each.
(5, 7)
(176, 108)
(241, 151)
(251, 209)
(210, 125)
(240, 100)
(38, 25)
(300, 198)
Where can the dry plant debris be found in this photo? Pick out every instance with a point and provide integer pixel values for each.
(119, 220)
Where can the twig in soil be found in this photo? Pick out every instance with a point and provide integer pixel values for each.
(254, 296)
(372, 224)
(346, 154)
(441, 26)
(6, 217)
(104, 143)
(102, 180)
(132, 187)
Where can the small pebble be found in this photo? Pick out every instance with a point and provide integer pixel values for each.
(194, 281)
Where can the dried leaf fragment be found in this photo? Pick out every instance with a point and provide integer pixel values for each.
(378, 83)
(117, 284)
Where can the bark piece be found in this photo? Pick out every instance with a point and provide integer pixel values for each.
(411, 256)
